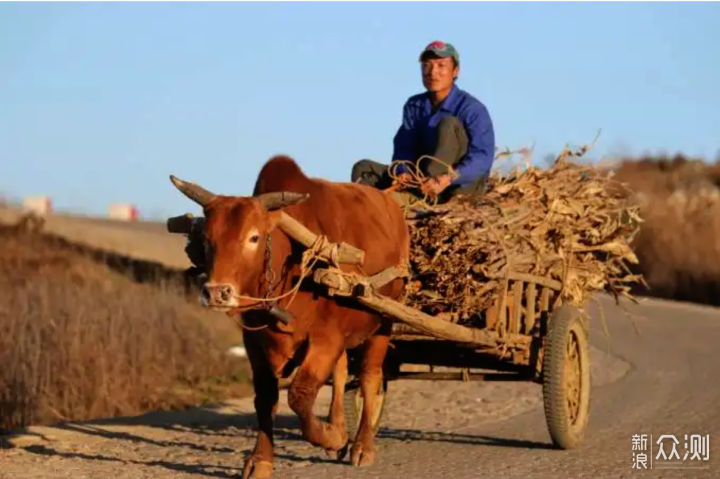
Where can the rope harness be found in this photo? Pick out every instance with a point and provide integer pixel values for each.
(310, 258)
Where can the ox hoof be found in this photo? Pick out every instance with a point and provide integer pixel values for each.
(257, 469)
(360, 456)
(339, 454)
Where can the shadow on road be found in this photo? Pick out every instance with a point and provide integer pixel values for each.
(202, 469)
(408, 435)
(217, 422)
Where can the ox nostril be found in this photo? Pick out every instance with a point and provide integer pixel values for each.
(226, 293)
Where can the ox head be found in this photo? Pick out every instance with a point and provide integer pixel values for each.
(237, 230)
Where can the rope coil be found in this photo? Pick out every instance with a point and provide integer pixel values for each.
(414, 178)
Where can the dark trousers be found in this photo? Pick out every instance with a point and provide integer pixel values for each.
(449, 146)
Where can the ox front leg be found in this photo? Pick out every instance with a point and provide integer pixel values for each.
(337, 409)
(259, 464)
(371, 376)
(318, 364)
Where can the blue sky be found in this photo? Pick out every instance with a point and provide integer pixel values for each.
(99, 103)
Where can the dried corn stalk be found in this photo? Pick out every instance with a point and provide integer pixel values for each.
(570, 223)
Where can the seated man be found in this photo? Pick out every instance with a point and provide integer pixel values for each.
(446, 123)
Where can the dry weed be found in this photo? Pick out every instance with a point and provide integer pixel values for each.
(78, 341)
(679, 241)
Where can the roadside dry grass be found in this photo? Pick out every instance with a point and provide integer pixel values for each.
(679, 243)
(79, 340)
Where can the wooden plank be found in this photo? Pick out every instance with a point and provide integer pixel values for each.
(491, 315)
(544, 299)
(530, 299)
(517, 309)
(502, 309)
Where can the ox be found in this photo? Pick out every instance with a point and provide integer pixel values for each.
(245, 248)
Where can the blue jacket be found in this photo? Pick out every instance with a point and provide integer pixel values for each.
(418, 120)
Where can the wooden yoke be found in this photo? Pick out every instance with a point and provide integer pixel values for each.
(345, 253)
(329, 252)
(180, 224)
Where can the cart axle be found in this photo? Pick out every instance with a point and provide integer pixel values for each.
(462, 376)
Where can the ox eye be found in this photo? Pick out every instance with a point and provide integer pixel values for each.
(255, 238)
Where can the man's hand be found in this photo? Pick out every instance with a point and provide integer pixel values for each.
(402, 180)
(436, 185)
(403, 177)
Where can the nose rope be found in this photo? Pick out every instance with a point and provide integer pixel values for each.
(310, 257)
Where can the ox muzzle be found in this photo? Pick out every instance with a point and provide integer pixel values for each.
(223, 297)
(219, 296)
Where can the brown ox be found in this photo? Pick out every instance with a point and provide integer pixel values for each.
(237, 230)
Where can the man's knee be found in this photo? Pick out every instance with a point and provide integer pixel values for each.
(451, 144)
(370, 173)
(453, 126)
(450, 121)
(359, 168)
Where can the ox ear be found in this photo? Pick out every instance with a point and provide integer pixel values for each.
(281, 199)
(195, 192)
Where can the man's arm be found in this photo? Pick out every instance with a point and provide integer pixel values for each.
(481, 146)
(404, 141)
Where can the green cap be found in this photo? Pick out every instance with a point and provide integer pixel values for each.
(441, 49)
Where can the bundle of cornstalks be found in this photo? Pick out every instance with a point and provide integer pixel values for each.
(570, 223)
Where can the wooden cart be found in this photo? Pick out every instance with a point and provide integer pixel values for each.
(528, 335)
(524, 338)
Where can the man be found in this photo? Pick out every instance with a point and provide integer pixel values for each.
(444, 122)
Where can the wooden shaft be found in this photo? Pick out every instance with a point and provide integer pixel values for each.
(429, 324)
(347, 254)
(358, 288)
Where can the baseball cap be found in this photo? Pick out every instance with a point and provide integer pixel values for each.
(441, 49)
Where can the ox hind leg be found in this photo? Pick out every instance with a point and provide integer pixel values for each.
(260, 462)
(371, 376)
(324, 356)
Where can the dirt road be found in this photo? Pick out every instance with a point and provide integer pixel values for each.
(662, 382)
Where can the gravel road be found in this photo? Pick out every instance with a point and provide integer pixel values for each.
(657, 382)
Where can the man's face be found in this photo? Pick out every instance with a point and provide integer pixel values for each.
(438, 73)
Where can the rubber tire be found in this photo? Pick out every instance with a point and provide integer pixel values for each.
(353, 404)
(566, 321)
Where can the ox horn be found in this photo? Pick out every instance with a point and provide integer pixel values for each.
(195, 192)
(281, 199)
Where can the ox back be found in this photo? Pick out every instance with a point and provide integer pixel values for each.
(357, 214)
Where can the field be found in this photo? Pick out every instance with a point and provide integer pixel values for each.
(87, 334)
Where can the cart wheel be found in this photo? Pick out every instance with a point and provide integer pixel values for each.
(353, 405)
(566, 377)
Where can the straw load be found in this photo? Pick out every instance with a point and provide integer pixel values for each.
(570, 223)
